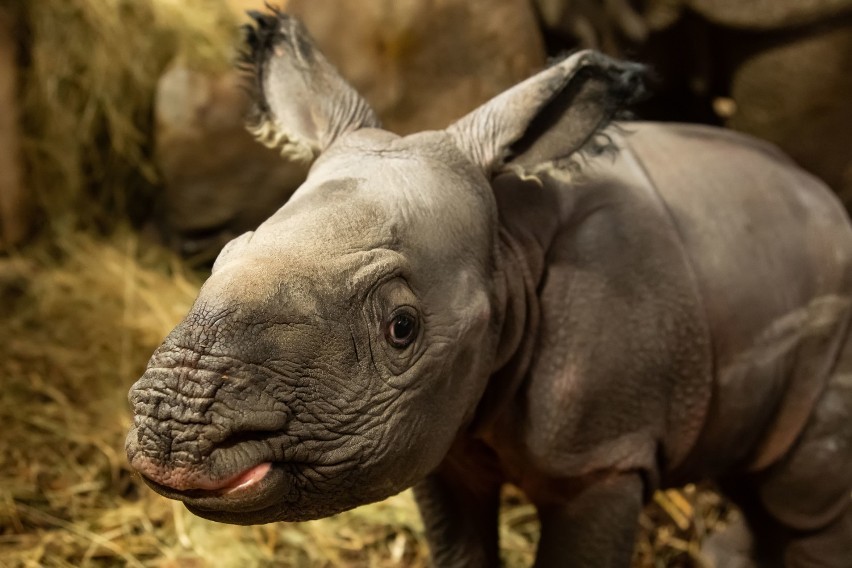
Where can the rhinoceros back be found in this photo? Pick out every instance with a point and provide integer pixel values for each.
(771, 249)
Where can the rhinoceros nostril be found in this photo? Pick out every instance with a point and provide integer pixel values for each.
(251, 425)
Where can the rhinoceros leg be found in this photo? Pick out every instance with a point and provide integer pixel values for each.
(595, 529)
(800, 509)
(460, 517)
(778, 546)
(811, 494)
(828, 547)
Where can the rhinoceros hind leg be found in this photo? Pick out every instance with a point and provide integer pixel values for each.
(829, 547)
(800, 509)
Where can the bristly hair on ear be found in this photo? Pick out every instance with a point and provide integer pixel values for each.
(551, 115)
(300, 102)
(259, 38)
(610, 89)
(629, 89)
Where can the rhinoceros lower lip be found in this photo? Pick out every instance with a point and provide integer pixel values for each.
(247, 492)
(236, 486)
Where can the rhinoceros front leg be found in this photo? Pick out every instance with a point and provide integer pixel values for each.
(460, 517)
(596, 529)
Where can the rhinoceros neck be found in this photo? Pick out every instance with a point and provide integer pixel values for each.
(528, 224)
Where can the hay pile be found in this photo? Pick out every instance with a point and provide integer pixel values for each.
(88, 80)
(82, 309)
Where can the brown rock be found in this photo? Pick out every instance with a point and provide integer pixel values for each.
(797, 93)
(769, 14)
(596, 24)
(219, 181)
(424, 63)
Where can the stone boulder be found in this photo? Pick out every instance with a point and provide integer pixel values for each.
(219, 182)
(423, 63)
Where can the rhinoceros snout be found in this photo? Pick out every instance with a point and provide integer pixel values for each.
(199, 429)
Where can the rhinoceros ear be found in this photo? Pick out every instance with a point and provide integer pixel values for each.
(301, 103)
(551, 115)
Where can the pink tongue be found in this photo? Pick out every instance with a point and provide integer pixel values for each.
(247, 478)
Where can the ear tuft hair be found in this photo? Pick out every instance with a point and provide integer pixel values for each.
(300, 103)
(550, 116)
(600, 91)
(260, 38)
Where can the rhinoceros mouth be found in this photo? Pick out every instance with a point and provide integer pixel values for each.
(250, 490)
(262, 494)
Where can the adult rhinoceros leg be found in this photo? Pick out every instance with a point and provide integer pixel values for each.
(595, 529)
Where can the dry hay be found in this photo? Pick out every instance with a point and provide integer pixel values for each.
(90, 71)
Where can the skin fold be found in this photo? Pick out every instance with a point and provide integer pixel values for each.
(537, 295)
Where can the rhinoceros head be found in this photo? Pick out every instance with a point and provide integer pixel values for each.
(336, 352)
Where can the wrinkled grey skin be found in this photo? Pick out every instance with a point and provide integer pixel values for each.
(591, 325)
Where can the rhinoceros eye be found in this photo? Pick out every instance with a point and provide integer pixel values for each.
(401, 329)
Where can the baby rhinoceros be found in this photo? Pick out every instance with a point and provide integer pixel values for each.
(541, 295)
